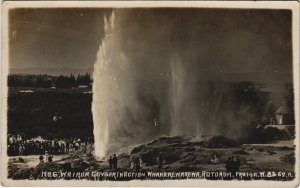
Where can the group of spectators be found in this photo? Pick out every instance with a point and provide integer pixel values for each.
(138, 162)
(113, 162)
(19, 146)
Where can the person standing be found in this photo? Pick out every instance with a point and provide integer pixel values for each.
(233, 165)
(50, 158)
(21, 149)
(141, 161)
(19, 138)
(46, 157)
(160, 161)
(137, 166)
(110, 162)
(132, 162)
(41, 158)
(67, 146)
(115, 162)
(236, 164)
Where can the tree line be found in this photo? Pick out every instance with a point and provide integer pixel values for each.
(47, 81)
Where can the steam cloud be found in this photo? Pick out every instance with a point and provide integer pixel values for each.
(155, 76)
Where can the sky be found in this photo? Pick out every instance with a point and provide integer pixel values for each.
(54, 38)
(223, 40)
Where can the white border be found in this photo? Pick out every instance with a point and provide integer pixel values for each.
(292, 5)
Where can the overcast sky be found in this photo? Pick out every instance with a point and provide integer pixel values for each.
(54, 38)
(223, 40)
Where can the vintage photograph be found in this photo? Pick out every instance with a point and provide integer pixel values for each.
(109, 94)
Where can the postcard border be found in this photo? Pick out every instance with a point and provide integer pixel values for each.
(6, 5)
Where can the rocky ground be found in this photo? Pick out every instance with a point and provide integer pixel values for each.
(179, 154)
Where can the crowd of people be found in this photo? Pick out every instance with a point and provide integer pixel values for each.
(18, 145)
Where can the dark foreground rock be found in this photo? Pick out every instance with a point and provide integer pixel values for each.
(220, 142)
(290, 158)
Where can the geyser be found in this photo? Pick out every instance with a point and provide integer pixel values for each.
(154, 76)
(136, 96)
(128, 98)
(103, 91)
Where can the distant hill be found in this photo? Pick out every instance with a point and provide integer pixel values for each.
(52, 71)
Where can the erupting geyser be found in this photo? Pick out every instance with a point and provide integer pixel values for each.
(126, 98)
(151, 78)
(136, 97)
(102, 91)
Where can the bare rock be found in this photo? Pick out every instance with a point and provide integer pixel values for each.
(219, 142)
(240, 152)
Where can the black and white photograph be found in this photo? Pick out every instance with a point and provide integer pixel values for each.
(134, 94)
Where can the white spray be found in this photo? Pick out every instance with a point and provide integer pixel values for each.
(101, 94)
